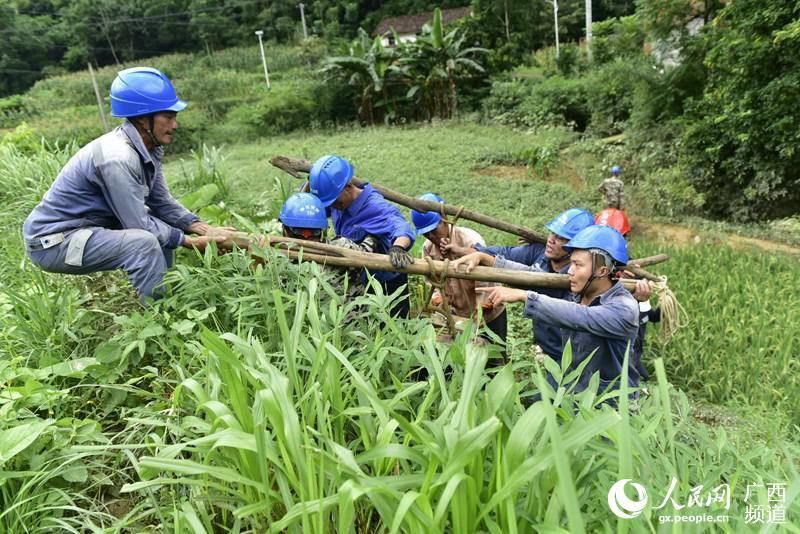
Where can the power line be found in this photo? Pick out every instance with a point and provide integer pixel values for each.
(17, 71)
(157, 17)
(180, 13)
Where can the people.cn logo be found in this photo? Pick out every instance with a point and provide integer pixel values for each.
(621, 505)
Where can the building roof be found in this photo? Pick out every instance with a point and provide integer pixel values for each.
(412, 24)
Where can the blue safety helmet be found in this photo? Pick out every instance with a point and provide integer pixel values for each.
(303, 210)
(601, 238)
(426, 221)
(615, 170)
(568, 224)
(328, 178)
(143, 91)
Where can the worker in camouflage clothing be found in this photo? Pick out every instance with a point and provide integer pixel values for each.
(612, 189)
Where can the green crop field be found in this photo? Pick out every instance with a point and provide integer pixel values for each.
(257, 399)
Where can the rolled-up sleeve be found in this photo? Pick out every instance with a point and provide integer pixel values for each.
(125, 194)
(615, 319)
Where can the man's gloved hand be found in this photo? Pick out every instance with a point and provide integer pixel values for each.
(399, 257)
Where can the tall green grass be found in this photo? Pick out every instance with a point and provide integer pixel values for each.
(286, 418)
(256, 399)
(740, 347)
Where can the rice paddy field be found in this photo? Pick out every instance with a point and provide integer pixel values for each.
(258, 399)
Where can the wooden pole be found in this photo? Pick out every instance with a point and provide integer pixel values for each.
(318, 252)
(294, 167)
(649, 260)
(99, 98)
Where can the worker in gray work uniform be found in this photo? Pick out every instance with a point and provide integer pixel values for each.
(109, 208)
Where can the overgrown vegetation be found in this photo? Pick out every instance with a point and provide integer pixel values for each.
(414, 80)
(227, 94)
(246, 402)
(705, 111)
(258, 399)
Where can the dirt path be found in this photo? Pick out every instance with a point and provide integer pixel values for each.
(566, 173)
(682, 235)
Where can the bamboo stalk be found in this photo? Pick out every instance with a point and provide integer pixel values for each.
(233, 239)
(295, 166)
(641, 273)
(245, 241)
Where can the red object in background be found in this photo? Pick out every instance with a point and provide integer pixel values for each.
(615, 219)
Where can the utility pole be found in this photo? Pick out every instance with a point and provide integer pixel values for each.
(303, 19)
(263, 59)
(589, 28)
(555, 20)
(99, 98)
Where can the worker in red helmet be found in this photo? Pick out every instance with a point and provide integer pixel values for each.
(615, 219)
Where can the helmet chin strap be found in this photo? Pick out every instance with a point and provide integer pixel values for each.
(592, 278)
(149, 132)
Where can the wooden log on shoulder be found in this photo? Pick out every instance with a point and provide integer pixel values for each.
(295, 166)
(379, 262)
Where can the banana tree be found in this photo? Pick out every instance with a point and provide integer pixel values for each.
(364, 66)
(433, 64)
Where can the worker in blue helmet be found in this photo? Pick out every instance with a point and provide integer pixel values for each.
(460, 294)
(550, 257)
(359, 212)
(303, 217)
(600, 317)
(109, 207)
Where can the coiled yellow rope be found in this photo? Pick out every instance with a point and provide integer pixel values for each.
(673, 314)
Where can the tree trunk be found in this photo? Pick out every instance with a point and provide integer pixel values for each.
(507, 24)
(453, 99)
(295, 166)
(341, 257)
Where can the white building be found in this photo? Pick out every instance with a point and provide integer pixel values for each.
(409, 26)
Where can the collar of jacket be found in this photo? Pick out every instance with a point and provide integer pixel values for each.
(613, 292)
(136, 140)
(358, 203)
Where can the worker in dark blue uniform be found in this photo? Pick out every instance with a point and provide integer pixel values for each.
(360, 212)
(600, 318)
(550, 257)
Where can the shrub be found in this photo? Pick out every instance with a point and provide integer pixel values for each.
(741, 143)
(611, 95)
(12, 109)
(24, 139)
(288, 106)
(669, 192)
(532, 103)
(613, 39)
(603, 99)
(557, 101)
(504, 100)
